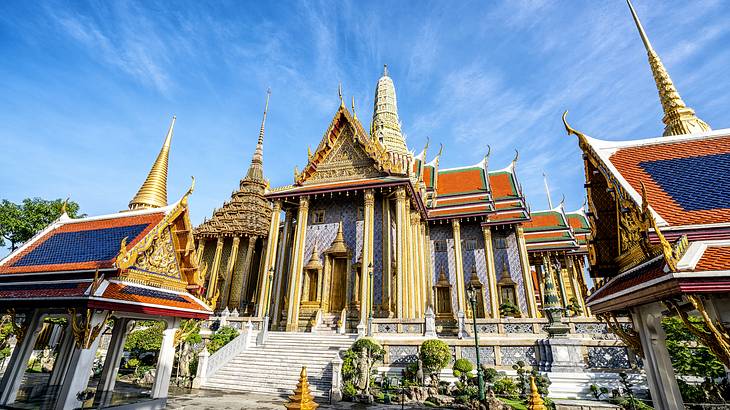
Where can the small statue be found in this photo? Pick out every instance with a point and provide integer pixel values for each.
(420, 377)
(47, 360)
(184, 363)
(362, 370)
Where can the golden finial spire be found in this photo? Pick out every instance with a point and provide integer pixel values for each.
(302, 398)
(339, 92)
(153, 193)
(256, 170)
(354, 114)
(385, 70)
(385, 125)
(678, 118)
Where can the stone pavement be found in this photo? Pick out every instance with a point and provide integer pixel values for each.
(211, 399)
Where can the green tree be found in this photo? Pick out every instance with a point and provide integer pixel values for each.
(19, 222)
(435, 355)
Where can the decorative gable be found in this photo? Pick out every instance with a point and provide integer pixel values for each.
(346, 152)
(165, 257)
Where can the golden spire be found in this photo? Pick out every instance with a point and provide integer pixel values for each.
(302, 398)
(153, 193)
(256, 170)
(678, 118)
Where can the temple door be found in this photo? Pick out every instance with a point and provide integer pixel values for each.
(338, 285)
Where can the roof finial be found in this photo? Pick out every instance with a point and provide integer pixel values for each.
(385, 70)
(517, 156)
(354, 114)
(547, 190)
(153, 193)
(678, 118)
(339, 92)
(256, 170)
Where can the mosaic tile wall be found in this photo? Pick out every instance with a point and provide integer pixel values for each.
(324, 234)
(475, 257)
(445, 260)
(511, 257)
(608, 357)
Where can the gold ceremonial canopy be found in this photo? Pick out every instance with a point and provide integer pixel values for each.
(678, 118)
(153, 193)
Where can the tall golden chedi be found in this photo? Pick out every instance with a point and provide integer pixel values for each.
(302, 398)
(231, 242)
(153, 192)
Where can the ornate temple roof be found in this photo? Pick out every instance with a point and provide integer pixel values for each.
(81, 244)
(550, 230)
(581, 228)
(142, 260)
(668, 166)
(248, 212)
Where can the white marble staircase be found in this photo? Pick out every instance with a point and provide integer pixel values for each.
(274, 367)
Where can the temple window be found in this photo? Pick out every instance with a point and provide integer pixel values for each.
(318, 217)
(507, 293)
(439, 246)
(469, 244)
(360, 213)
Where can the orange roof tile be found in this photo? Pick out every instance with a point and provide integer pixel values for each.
(461, 181)
(715, 258)
(674, 194)
(502, 186)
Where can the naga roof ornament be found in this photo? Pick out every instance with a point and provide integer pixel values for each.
(678, 118)
(153, 193)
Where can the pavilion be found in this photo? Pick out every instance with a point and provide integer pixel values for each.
(660, 220)
(99, 272)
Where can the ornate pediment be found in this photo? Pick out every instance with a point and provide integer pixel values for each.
(166, 256)
(347, 152)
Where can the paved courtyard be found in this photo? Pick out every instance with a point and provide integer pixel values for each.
(211, 399)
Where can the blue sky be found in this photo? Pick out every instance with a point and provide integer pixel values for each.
(88, 89)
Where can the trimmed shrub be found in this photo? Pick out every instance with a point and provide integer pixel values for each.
(221, 338)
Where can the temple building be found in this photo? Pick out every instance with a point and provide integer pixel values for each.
(658, 212)
(100, 274)
(369, 228)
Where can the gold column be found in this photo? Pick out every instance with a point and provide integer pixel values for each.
(410, 268)
(458, 261)
(247, 271)
(577, 293)
(422, 273)
(280, 268)
(400, 243)
(491, 272)
(269, 259)
(526, 276)
(295, 283)
(234, 297)
(213, 279)
(417, 300)
(367, 254)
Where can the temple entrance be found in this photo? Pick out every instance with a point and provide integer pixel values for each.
(338, 286)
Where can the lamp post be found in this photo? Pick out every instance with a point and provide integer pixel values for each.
(370, 301)
(471, 293)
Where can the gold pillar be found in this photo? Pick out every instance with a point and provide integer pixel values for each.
(213, 280)
(417, 300)
(269, 258)
(458, 261)
(295, 276)
(234, 297)
(367, 254)
(410, 268)
(400, 243)
(247, 270)
(577, 293)
(526, 275)
(491, 272)
(279, 263)
(423, 272)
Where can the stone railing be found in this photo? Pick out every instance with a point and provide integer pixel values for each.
(398, 326)
(209, 364)
(233, 320)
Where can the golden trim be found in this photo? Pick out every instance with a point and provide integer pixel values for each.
(629, 336)
(715, 337)
(84, 334)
